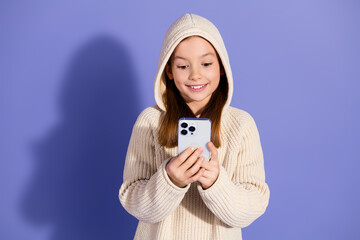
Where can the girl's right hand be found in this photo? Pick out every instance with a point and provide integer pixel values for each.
(186, 167)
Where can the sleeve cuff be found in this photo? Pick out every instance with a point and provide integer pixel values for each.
(221, 182)
(168, 180)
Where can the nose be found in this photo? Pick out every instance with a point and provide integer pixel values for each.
(195, 74)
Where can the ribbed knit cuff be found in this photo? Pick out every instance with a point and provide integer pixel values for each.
(153, 200)
(233, 205)
(221, 182)
(218, 198)
(168, 180)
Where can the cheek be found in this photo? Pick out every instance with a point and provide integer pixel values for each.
(213, 75)
(178, 83)
(180, 76)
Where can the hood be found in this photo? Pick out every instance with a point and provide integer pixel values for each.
(185, 26)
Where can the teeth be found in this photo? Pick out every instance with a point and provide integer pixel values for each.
(197, 87)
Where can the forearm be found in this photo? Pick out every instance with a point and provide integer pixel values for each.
(151, 200)
(237, 205)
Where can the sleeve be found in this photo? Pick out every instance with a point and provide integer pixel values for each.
(147, 193)
(239, 200)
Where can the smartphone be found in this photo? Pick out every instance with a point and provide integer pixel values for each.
(194, 132)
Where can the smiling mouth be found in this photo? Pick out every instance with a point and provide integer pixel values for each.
(197, 87)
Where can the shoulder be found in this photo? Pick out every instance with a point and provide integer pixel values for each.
(146, 123)
(150, 112)
(149, 116)
(237, 125)
(237, 117)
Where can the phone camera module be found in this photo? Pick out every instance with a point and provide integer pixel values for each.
(192, 129)
(184, 132)
(184, 125)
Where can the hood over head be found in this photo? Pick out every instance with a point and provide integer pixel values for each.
(186, 26)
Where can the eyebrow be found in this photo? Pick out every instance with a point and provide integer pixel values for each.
(204, 55)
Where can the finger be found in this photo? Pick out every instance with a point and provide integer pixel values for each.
(195, 168)
(183, 156)
(213, 151)
(191, 159)
(207, 165)
(204, 181)
(197, 176)
(208, 175)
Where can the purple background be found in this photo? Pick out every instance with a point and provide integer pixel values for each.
(74, 75)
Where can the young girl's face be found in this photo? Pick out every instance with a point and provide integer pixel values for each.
(195, 69)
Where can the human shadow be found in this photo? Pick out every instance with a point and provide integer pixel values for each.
(78, 165)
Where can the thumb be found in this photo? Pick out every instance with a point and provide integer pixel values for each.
(213, 151)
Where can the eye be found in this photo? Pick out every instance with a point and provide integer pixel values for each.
(183, 66)
(207, 64)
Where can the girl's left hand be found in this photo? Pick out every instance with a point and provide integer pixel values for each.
(212, 168)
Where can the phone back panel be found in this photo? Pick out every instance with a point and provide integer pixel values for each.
(194, 132)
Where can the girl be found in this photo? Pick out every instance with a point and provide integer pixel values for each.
(182, 196)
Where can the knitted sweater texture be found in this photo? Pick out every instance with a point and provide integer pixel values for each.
(165, 211)
(238, 196)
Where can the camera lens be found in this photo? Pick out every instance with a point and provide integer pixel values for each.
(184, 125)
(183, 132)
(191, 129)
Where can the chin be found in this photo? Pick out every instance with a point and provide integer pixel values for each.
(197, 99)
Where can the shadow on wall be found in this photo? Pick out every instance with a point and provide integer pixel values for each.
(79, 164)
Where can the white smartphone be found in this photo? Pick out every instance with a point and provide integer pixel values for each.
(194, 132)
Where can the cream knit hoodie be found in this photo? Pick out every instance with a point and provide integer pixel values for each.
(240, 194)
